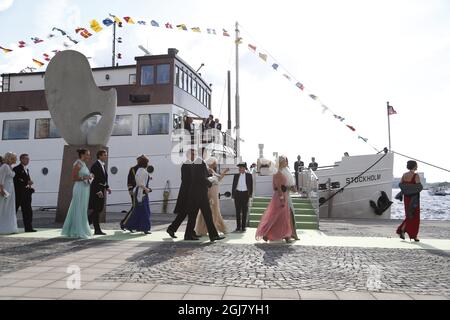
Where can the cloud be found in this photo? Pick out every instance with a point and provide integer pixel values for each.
(5, 4)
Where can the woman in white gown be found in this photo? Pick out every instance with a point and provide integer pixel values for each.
(213, 196)
(8, 219)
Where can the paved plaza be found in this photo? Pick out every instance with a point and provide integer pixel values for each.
(346, 259)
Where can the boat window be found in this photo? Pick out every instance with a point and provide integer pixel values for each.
(163, 74)
(177, 76)
(154, 124)
(186, 82)
(190, 86)
(16, 129)
(194, 88)
(147, 75)
(46, 129)
(132, 79)
(123, 125)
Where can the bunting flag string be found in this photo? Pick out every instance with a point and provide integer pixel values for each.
(253, 47)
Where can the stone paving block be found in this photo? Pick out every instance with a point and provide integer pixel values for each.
(37, 269)
(317, 295)
(47, 293)
(163, 296)
(19, 275)
(124, 295)
(344, 295)
(245, 292)
(239, 298)
(207, 290)
(167, 288)
(32, 283)
(7, 282)
(280, 293)
(426, 297)
(51, 276)
(60, 284)
(391, 296)
(202, 297)
(14, 291)
(97, 285)
(144, 287)
(85, 295)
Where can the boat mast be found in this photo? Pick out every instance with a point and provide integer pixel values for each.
(114, 46)
(238, 116)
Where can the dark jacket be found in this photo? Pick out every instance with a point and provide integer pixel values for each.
(21, 180)
(200, 184)
(131, 180)
(100, 182)
(298, 166)
(249, 181)
(183, 195)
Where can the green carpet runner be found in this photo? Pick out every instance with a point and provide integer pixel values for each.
(305, 216)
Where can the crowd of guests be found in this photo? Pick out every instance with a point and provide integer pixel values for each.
(198, 198)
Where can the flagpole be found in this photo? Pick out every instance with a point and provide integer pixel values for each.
(114, 46)
(238, 112)
(389, 126)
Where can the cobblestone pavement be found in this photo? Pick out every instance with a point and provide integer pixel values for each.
(287, 267)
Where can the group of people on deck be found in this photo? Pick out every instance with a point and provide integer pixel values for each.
(198, 199)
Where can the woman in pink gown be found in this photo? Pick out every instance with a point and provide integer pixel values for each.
(276, 221)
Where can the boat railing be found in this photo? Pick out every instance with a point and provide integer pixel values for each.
(309, 186)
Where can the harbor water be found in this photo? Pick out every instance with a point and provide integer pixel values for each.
(431, 207)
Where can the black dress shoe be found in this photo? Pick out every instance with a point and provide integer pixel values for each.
(244, 229)
(171, 233)
(99, 233)
(237, 230)
(191, 239)
(32, 230)
(217, 238)
(147, 232)
(122, 227)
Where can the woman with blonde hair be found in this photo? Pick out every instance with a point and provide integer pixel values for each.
(213, 196)
(276, 221)
(8, 219)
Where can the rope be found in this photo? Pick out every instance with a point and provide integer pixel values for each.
(429, 164)
(353, 180)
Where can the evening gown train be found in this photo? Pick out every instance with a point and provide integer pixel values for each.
(76, 224)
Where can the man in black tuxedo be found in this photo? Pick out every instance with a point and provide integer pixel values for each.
(198, 197)
(242, 191)
(181, 208)
(23, 187)
(99, 187)
(298, 167)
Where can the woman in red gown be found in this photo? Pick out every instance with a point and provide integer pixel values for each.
(276, 221)
(412, 219)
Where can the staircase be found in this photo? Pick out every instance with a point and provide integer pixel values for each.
(305, 215)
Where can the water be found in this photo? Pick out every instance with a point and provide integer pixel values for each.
(431, 207)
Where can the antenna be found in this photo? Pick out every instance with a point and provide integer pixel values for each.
(147, 53)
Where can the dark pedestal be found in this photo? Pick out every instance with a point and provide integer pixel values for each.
(70, 155)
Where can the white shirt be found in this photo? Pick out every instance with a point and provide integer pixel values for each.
(103, 166)
(242, 183)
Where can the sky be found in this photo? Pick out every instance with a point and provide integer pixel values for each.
(355, 55)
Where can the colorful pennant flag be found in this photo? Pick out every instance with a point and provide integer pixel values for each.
(141, 22)
(287, 77)
(225, 33)
(51, 35)
(275, 66)
(154, 23)
(116, 19)
(40, 64)
(83, 32)
(252, 47)
(325, 108)
(351, 128)
(196, 29)
(182, 27)
(313, 97)
(37, 40)
(169, 26)
(391, 110)
(5, 50)
(211, 31)
(263, 56)
(22, 44)
(71, 39)
(108, 22)
(129, 20)
(46, 57)
(96, 26)
(300, 86)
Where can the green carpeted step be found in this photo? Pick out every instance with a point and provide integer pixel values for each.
(299, 225)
